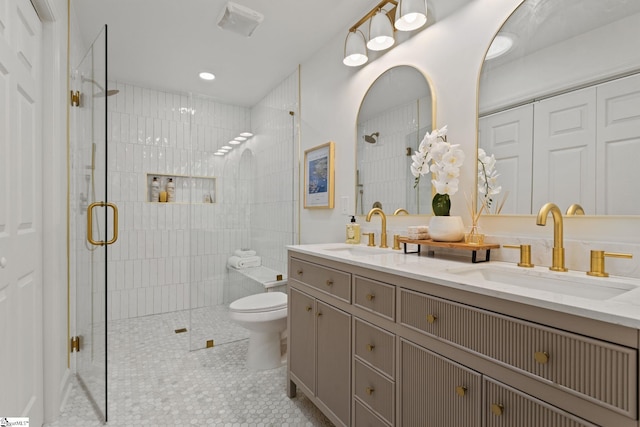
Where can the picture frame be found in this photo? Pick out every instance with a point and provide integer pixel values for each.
(319, 177)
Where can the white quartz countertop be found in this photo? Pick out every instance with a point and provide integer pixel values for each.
(610, 299)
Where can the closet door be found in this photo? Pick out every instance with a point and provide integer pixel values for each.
(618, 147)
(565, 149)
(508, 135)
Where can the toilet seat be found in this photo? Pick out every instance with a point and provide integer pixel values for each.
(263, 302)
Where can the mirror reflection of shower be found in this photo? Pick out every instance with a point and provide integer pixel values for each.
(371, 139)
(360, 187)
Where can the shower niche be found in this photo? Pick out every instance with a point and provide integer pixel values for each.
(187, 189)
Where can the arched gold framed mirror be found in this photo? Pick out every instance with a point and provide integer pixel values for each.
(560, 108)
(395, 114)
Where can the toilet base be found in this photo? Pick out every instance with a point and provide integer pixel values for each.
(264, 351)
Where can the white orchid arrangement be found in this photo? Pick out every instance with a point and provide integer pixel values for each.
(443, 160)
(488, 180)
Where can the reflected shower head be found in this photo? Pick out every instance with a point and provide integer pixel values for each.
(371, 139)
(101, 92)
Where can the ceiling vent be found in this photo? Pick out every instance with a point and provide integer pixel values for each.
(239, 19)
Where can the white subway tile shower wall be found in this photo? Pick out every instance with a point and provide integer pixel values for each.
(164, 249)
(173, 256)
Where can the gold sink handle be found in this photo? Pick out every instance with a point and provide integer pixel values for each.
(597, 262)
(525, 254)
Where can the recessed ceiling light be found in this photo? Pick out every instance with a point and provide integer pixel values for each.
(501, 44)
(226, 147)
(218, 154)
(222, 150)
(234, 142)
(246, 134)
(206, 76)
(240, 138)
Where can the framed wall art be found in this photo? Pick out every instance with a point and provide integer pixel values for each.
(319, 177)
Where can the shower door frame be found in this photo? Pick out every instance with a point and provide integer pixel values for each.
(91, 216)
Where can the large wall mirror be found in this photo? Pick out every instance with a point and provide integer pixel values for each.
(397, 111)
(560, 107)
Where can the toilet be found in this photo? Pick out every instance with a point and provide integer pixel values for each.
(265, 316)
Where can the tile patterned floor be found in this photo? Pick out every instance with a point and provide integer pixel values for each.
(154, 380)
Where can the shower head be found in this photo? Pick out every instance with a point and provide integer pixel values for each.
(101, 92)
(371, 139)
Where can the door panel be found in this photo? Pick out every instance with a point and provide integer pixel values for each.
(21, 281)
(564, 129)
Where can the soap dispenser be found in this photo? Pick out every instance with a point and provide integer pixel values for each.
(353, 231)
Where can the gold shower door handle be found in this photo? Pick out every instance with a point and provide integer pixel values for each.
(90, 223)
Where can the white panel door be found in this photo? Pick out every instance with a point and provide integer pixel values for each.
(21, 329)
(565, 151)
(508, 135)
(618, 147)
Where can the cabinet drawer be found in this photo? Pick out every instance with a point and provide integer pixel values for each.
(366, 418)
(328, 280)
(375, 391)
(377, 297)
(583, 366)
(507, 407)
(376, 346)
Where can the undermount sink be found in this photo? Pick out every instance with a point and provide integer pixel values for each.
(355, 250)
(572, 284)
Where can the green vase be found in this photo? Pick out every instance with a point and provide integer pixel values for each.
(441, 204)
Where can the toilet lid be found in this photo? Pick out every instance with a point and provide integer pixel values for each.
(266, 301)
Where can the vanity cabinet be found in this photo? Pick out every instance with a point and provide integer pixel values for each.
(424, 354)
(319, 355)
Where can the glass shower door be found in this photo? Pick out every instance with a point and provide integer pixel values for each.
(94, 221)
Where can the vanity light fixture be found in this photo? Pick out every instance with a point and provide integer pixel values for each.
(380, 32)
(411, 14)
(355, 49)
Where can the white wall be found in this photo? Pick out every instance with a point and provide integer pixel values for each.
(450, 52)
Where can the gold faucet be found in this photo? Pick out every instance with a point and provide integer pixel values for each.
(575, 209)
(558, 249)
(401, 211)
(383, 233)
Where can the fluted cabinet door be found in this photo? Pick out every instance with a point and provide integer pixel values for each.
(437, 392)
(333, 328)
(302, 354)
(507, 407)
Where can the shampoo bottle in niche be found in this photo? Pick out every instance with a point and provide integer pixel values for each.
(155, 189)
(171, 191)
(353, 231)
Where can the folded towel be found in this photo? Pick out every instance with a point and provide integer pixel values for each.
(243, 253)
(412, 229)
(244, 262)
(418, 236)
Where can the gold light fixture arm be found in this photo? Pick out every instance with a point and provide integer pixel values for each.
(391, 13)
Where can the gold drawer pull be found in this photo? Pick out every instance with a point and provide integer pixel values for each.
(309, 308)
(431, 318)
(541, 357)
(369, 391)
(497, 409)
(370, 347)
(370, 297)
(319, 314)
(329, 282)
(300, 272)
(461, 391)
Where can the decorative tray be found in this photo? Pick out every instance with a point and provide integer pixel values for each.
(474, 247)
